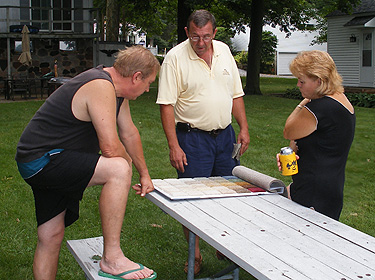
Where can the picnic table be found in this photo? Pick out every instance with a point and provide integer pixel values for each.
(269, 236)
(55, 83)
(272, 237)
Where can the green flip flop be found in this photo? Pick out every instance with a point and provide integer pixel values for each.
(119, 276)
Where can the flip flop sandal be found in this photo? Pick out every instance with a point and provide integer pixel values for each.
(119, 276)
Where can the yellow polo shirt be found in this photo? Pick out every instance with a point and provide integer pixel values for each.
(201, 96)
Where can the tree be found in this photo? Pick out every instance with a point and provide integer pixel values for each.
(185, 8)
(182, 15)
(268, 50)
(288, 15)
(112, 20)
(253, 60)
(267, 57)
(324, 8)
(151, 17)
(225, 35)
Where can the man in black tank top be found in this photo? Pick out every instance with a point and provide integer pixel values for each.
(58, 156)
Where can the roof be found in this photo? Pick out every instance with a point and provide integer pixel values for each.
(366, 21)
(364, 7)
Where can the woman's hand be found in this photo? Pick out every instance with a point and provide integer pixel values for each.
(279, 163)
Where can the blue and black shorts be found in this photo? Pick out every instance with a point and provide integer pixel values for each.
(59, 186)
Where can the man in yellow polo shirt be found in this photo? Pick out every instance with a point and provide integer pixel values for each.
(199, 90)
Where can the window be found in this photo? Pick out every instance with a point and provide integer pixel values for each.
(18, 46)
(367, 50)
(68, 45)
(60, 17)
(40, 13)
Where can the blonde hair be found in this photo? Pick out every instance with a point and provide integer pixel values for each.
(318, 65)
(136, 59)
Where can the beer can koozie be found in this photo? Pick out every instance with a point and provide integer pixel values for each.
(288, 161)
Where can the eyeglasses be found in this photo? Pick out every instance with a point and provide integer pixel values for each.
(206, 38)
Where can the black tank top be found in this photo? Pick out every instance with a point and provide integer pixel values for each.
(55, 127)
(323, 154)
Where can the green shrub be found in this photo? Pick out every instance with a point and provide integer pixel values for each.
(293, 93)
(362, 99)
(225, 35)
(160, 58)
(267, 56)
(241, 59)
(268, 51)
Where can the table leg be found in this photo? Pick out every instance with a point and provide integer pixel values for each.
(41, 88)
(191, 258)
(8, 89)
(236, 274)
(221, 275)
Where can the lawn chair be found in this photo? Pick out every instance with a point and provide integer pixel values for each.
(19, 86)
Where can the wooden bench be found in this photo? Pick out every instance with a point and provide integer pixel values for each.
(88, 253)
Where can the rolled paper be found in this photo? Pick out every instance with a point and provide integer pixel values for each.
(259, 179)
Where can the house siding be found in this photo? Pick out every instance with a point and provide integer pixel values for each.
(348, 55)
(345, 53)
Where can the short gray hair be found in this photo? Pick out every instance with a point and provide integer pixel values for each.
(200, 18)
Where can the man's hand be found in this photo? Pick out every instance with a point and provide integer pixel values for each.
(144, 187)
(178, 159)
(243, 138)
(239, 114)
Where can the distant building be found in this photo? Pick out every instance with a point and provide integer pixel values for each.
(64, 32)
(60, 31)
(352, 46)
(287, 48)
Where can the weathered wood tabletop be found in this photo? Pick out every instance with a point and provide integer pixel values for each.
(272, 237)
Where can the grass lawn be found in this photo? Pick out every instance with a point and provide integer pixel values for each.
(149, 236)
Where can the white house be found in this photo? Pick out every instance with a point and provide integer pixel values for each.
(287, 48)
(351, 44)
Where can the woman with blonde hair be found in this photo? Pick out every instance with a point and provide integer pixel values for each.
(321, 131)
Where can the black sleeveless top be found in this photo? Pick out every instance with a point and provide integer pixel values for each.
(55, 127)
(323, 155)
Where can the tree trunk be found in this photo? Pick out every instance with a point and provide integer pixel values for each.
(112, 20)
(254, 50)
(183, 13)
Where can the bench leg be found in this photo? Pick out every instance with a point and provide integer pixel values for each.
(224, 274)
